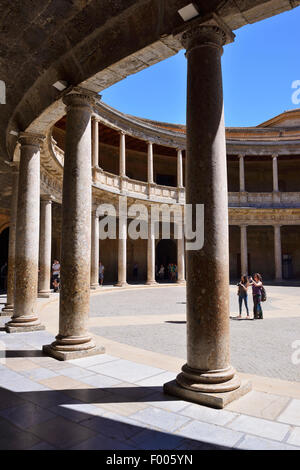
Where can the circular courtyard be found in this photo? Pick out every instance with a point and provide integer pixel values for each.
(153, 319)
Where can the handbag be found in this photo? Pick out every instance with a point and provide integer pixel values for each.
(263, 294)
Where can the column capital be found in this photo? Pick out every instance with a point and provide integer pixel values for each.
(47, 198)
(241, 155)
(81, 97)
(210, 31)
(122, 132)
(274, 156)
(30, 138)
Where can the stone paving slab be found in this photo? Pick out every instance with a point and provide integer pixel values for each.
(105, 402)
(291, 414)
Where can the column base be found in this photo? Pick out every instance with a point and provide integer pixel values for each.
(7, 311)
(53, 350)
(151, 283)
(95, 286)
(182, 282)
(14, 327)
(211, 399)
(121, 284)
(45, 294)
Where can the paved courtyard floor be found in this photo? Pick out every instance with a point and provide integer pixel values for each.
(115, 400)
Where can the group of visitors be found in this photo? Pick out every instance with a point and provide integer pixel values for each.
(258, 293)
(167, 273)
(55, 278)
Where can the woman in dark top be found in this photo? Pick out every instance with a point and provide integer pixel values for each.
(243, 295)
(256, 284)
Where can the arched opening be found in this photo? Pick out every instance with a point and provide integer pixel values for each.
(166, 254)
(4, 236)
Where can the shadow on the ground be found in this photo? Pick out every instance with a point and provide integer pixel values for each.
(176, 322)
(21, 353)
(64, 427)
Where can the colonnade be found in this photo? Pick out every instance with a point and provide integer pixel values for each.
(122, 156)
(208, 376)
(277, 251)
(274, 173)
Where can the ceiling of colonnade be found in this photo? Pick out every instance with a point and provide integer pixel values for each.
(90, 43)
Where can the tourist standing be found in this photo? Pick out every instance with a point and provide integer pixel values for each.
(257, 287)
(101, 274)
(243, 295)
(161, 272)
(56, 275)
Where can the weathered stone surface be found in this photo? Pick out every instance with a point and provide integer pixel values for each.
(214, 400)
(208, 367)
(73, 336)
(45, 246)
(27, 234)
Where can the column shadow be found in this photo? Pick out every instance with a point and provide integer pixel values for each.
(92, 431)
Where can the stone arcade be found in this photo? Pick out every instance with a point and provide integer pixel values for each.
(101, 155)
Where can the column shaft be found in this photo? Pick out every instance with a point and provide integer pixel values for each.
(150, 162)
(181, 260)
(275, 173)
(242, 173)
(122, 166)
(95, 131)
(278, 252)
(151, 255)
(208, 366)
(122, 251)
(179, 169)
(95, 252)
(27, 237)
(244, 250)
(9, 306)
(73, 339)
(45, 247)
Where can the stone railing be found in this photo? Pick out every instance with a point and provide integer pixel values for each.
(138, 189)
(271, 199)
(171, 195)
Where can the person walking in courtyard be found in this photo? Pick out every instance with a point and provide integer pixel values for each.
(161, 272)
(257, 287)
(56, 275)
(101, 273)
(243, 295)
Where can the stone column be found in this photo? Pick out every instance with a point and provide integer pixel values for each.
(27, 237)
(275, 173)
(122, 251)
(150, 163)
(242, 173)
(95, 134)
(179, 169)
(151, 255)
(45, 246)
(122, 165)
(95, 251)
(278, 252)
(73, 339)
(244, 250)
(208, 375)
(181, 260)
(9, 306)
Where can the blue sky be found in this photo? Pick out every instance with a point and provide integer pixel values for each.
(258, 71)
